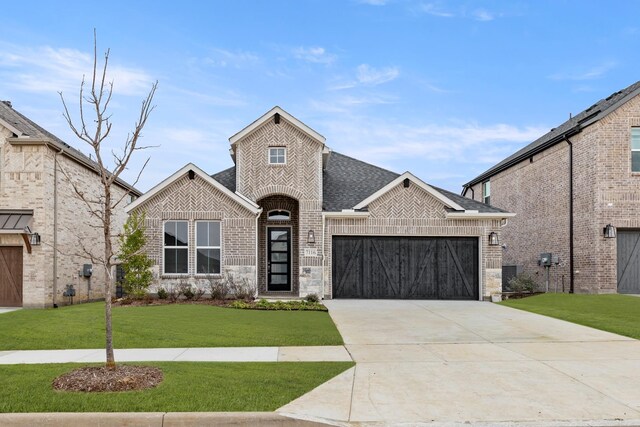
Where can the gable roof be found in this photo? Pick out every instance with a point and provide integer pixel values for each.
(347, 181)
(27, 131)
(241, 200)
(571, 127)
(283, 114)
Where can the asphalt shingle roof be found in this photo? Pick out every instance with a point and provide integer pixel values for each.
(589, 116)
(348, 181)
(31, 129)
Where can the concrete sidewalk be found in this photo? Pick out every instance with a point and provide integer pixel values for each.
(211, 354)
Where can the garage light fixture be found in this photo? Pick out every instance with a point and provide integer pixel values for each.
(609, 231)
(311, 237)
(493, 239)
(34, 239)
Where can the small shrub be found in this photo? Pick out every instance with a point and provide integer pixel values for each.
(522, 283)
(245, 290)
(263, 303)
(312, 298)
(173, 293)
(218, 289)
(162, 293)
(239, 304)
(186, 290)
(198, 293)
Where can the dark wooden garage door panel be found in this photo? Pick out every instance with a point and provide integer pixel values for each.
(628, 261)
(405, 267)
(10, 276)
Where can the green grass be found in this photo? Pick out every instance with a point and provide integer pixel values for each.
(82, 326)
(619, 314)
(187, 387)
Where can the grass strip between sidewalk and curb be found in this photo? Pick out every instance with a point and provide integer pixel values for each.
(619, 314)
(178, 325)
(187, 387)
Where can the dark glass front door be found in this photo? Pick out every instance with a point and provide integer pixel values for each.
(278, 259)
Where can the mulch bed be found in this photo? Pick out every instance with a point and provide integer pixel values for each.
(97, 379)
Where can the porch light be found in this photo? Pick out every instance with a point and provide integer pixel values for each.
(493, 239)
(311, 237)
(34, 239)
(609, 231)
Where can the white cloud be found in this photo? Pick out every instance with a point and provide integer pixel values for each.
(435, 10)
(592, 73)
(483, 15)
(227, 58)
(371, 76)
(47, 69)
(315, 54)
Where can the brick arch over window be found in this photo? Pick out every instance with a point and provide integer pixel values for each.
(272, 190)
(278, 202)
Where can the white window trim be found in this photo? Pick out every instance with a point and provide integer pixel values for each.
(284, 155)
(485, 185)
(164, 273)
(633, 150)
(197, 273)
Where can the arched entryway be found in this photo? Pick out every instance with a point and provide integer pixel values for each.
(278, 262)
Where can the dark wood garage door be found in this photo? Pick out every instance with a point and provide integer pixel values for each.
(628, 261)
(405, 267)
(10, 276)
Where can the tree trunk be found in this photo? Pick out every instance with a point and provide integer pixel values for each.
(111, 361)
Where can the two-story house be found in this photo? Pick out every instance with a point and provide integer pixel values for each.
(294, 218)
(43, 224)
(576, 193)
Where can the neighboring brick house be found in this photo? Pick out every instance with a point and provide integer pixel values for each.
(36, 200)
(565, 188)
(294, 218)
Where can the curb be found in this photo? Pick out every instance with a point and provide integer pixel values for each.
(151, 419)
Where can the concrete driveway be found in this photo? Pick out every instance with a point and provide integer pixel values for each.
(456, 362)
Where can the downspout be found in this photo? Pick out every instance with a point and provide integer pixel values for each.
(257, 264)
(324, 218)
(571, 266)
(55, 226)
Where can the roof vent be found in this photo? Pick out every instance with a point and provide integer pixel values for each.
(406, 182)
(7, 103)
(276, 118)
(192, 174)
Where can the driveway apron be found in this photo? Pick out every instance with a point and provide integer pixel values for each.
(477, 362)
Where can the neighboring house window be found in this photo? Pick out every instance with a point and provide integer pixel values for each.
(277, 155)
(208, 247)
(176, 247)
(635, 149)
(278, 215)
(486, 192)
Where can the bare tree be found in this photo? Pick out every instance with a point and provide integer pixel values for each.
(93, 127)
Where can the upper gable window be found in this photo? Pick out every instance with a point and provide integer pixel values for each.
(279, 215)
(635, 149)
(486, 192)
(277, 155)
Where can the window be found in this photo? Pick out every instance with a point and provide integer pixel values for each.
(208, 247)
(277, 155)
(486, 192)
(278, 215)
(635, 149)
(176, 247)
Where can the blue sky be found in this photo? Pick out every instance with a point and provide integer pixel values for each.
(444, 89)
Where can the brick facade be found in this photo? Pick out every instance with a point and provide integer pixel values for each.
(413, 212)
(605, 191)
(29, 180)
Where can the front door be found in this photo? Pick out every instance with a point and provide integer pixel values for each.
(278, 259)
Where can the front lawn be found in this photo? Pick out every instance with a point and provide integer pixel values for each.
(187, 387)
(176, 325)
(619, 314)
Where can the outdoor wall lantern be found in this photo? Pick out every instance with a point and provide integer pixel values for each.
(34, 239)
(493, 239)
(311, 237)
(609, 231)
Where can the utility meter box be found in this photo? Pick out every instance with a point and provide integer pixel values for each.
(545, 259)
(87, 270)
